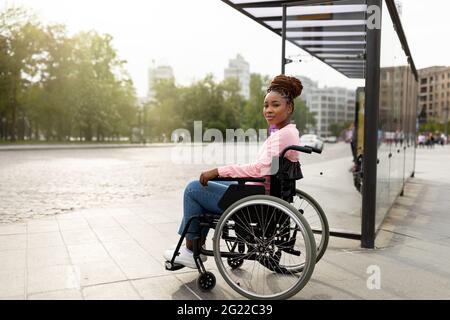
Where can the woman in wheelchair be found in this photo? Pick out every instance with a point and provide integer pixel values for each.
(202, 199)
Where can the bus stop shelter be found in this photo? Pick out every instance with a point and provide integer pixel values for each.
(361, 39)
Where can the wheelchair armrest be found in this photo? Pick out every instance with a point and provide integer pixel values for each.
(316, 150)
(240, 181)
(305, 149)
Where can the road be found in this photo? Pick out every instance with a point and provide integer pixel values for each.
(40, 183)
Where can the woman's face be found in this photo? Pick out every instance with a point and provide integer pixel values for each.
(276, 109)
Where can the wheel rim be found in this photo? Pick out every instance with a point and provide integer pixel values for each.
(257, 277)
(315, 220)
(206, 281)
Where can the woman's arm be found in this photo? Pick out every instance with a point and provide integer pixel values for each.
(252, 170)
(274, 145)
(208, 175)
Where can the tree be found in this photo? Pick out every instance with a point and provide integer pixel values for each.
(106, 98)
(21, 54)
(432, 126)
(337, 128)
(252, 116)
(302, 117)
(61, 86)
(232, 105)
(162, 115)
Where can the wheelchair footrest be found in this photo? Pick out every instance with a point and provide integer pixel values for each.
(173, 266)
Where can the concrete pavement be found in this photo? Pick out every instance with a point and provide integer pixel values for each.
(116, 253)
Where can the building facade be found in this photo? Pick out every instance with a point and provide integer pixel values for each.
(240, 69)
(398, 102)
(434, 93)
(155, 74)
(330, 105)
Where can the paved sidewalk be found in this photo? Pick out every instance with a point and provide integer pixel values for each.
(117, 253)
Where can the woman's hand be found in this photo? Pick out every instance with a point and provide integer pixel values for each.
(208, 175)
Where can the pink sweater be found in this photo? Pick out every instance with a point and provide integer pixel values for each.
(273, 146)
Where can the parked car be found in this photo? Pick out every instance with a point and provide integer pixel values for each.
(330, 139)
(311, 140)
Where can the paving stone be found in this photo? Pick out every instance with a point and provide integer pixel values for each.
(53, 278)
(163, 288)
(13, 242)
(47, 256)
(100, 272)
(44, 240)
(12, 283)
(112, 291)
(77, 237)
(85, 253)
(73, 223)
(15, 228)
(70, 294)
(12, 259)
(102, 222)
(41, 225)
(112, 234)
(134, 260)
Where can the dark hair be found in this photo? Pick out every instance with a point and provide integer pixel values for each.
(288, 87)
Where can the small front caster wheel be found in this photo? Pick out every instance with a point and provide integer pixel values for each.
(206, 281)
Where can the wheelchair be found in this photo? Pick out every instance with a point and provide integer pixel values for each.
(263, 246)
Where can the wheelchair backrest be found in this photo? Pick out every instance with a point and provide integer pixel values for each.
(283, 182)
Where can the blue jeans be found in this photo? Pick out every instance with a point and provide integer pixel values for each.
(199, 200)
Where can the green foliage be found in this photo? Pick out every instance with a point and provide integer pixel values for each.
(21, 38)
(337, 128)
(217, 105)
(59, 87)
(433, 126)
(253, 110)
(302, 116)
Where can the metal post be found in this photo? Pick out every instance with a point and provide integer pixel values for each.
(283, 40)
(415, 135)
(446, 122)
(371, 133)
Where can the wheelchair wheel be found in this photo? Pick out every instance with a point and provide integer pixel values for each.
(206, 281)
(313, 213)
(273, 240)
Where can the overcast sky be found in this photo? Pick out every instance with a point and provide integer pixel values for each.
(197, 37)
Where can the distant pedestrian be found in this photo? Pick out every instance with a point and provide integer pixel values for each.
(422, 140)
(443, 140)
(430, 141)
(349, 133)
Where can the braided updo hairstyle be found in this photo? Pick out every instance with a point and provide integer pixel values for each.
(288, 87)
